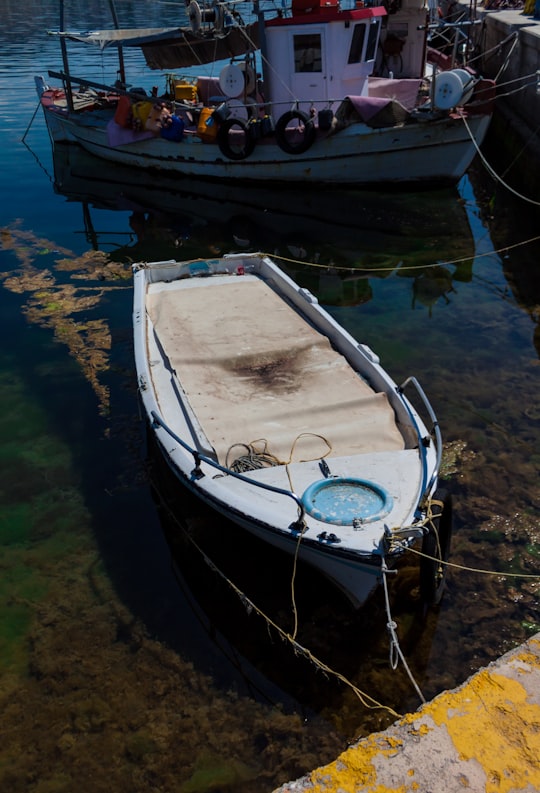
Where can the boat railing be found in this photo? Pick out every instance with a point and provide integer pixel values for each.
(197, 472)
(70, 80)
(435, 430)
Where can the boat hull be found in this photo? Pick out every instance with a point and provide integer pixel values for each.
(355, 576)
(434, 152)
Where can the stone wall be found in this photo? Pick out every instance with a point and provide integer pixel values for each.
(510, 45)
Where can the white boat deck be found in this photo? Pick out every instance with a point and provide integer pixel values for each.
(253, 369)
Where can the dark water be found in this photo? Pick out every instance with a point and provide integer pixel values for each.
(125, 668)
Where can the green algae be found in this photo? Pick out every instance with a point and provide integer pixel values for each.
(15, 622)
(40, 507)
(52, 303)
(139, 745)
(214, 772)
(15, 523)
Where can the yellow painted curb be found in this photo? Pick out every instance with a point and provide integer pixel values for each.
(483, 737)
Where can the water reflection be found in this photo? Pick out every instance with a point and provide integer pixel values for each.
(347, 237)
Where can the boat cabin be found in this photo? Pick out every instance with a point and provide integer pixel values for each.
(325, 51)
(320, 54)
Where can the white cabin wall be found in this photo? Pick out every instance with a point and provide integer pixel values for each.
(277, 92)
(346, 79)
(337, 79)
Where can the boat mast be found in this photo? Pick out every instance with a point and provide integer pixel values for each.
(262, 38)
(65, 63)
(121, 67)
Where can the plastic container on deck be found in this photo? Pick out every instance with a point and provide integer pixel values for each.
(207, 127)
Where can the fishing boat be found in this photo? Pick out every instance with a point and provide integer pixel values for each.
(270, 412)
(323, 92)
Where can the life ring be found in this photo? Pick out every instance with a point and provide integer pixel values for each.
(304, 137)
(194, 14)
(231, 149)
(436, 547)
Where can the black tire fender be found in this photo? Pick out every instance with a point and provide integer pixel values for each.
(308, 135)
(236, 152)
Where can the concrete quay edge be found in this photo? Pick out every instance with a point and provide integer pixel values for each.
(481, 737)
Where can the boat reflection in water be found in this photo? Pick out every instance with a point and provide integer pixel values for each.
(347, 236)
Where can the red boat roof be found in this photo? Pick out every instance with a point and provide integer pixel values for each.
(308, 12)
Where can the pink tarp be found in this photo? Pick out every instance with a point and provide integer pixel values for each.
(120, 136)
(405, 91)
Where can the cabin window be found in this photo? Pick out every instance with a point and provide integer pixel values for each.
(357, 44)
(373, 36)
(307, 53)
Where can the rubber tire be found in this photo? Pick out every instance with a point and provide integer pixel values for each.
(223, 139)
(432, 576)
(309, 132)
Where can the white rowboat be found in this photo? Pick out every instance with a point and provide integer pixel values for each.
(273, 414)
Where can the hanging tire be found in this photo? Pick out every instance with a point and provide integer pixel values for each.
(242, 147)
(436, 546)
(299, 139)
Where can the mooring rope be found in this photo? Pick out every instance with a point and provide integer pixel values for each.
(493, 173)
(366, 699)
(396, 654)
(255, 459)
(467, 569)
(403, 267)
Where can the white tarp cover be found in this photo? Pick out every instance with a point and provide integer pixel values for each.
(252, 368)
(133, 37)
(174, 48)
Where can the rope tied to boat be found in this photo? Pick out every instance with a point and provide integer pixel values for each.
(258, 457)
(366, 699)
(395, 652)
(429, 521)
